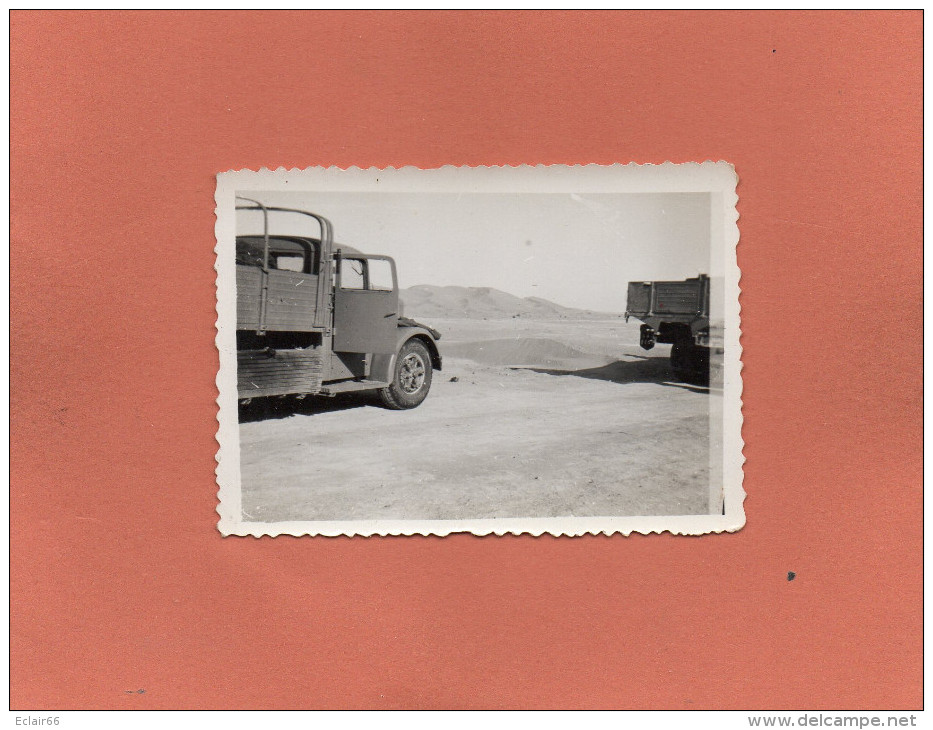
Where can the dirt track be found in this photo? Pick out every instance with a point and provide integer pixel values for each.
(548, 419)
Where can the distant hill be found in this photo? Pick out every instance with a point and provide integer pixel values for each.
(481, 302)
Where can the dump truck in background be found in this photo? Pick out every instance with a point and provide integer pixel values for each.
(678, 313)
(314, 318)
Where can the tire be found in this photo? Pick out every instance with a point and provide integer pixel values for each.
(411, 380)
(690, 363)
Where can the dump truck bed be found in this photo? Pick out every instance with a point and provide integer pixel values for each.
(669, 301)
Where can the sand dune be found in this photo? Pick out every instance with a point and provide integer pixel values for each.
(474, 302)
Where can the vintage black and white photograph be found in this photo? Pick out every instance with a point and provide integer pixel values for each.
(486, 350)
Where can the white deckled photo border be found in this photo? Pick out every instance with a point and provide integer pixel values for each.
(726, 444)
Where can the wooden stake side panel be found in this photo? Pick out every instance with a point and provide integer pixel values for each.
(291, 300)
(248, 297)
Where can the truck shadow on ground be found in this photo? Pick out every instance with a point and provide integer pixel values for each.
(268, 409)
(643, 370)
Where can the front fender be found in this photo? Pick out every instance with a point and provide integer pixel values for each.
(383, 366)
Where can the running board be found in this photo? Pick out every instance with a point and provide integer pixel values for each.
(350, 385)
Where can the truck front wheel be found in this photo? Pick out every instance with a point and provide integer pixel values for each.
(412, 378)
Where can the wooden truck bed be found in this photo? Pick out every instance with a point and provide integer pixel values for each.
(672, 301)
(291, 300)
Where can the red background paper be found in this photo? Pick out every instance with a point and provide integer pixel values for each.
(120, 580)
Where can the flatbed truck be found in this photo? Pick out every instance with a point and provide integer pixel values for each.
(318, 318)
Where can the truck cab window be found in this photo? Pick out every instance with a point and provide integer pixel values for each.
(380, 275)
(284, 254)
(351, 274)
(289, 262)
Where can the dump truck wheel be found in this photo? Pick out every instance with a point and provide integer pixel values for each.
(690, 363)
(412, 378)
(679, 359)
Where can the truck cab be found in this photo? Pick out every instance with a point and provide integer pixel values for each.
(318, 318)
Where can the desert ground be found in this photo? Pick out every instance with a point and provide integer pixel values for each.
(528, 418)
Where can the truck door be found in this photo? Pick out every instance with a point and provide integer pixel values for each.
(365, 304)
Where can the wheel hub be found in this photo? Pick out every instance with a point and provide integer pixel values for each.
(411, 373)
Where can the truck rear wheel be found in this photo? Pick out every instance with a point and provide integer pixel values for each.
(412, 378)
(690, 363)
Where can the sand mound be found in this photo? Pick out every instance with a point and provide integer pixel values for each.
(522, 351)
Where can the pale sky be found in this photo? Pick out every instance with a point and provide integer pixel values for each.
(575, 250)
